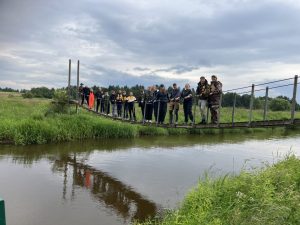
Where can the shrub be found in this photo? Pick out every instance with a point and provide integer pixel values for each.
(279, 104)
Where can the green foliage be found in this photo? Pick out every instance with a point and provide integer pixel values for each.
(60, 103)
(279, 104)
(267, 196)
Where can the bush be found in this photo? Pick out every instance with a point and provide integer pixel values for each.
(60, 103)
(279, 104)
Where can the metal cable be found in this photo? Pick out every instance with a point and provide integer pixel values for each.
(271, 82)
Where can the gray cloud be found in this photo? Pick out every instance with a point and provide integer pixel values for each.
(158, 41)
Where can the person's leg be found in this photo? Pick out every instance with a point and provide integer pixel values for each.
(164, 111)
(185, 110)
(176, 112)
(171, 108)
(97, 106)
(203, 110)
(190, 112)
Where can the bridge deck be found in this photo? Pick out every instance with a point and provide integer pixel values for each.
(253, 124)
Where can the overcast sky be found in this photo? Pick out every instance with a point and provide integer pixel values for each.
(145, 42)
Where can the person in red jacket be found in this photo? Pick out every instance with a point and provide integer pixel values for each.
(91, 99)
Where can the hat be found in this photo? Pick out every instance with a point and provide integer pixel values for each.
(81, 84)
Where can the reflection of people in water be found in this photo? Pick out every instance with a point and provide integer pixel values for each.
(116, 195)
(87, 183)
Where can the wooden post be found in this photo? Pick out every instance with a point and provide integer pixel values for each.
(293, 107)
(251, 103)
(2, 212)
(233, 108)
(78, 95)
(69, 85)
(266, 103)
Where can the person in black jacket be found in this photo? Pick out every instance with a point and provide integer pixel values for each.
(141, 102)
(149, 104)
(81, 94)
(155, 102)
(202, 93)
(119, 100)
(162, 99)
(113, 101)
(187, 97)
(174, 103)
(99, 95)
(86, 91)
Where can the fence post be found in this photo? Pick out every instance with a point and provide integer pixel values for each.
(2, 212)
(78, 96)
(251, 103)
(233, 108)
(69, 85)
(266, 103)
(293, 107)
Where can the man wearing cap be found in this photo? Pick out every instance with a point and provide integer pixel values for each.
(214, 98)
(202, 93)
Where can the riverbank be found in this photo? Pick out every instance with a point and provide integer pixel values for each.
(23, 121)
(266, 196)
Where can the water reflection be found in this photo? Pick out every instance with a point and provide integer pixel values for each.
(126, 202)
(122, 193)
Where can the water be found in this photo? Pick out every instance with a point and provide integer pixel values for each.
(113, 182)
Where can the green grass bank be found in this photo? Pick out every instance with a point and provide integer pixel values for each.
(23, 121)
(269, 196)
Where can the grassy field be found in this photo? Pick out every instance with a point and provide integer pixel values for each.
(270, 196)
(23, 121)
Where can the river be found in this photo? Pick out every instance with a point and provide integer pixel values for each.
(113, 182)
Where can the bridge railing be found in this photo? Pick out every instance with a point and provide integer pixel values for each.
(293, 82)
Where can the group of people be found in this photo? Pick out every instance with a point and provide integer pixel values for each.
(157, 101)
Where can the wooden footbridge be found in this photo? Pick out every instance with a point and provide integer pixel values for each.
(250, 123)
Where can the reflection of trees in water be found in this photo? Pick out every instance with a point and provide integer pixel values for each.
(126, 202)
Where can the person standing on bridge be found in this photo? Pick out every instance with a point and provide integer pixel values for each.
(125, 105)
(98, 99)
(187, 97)
(119, 100)
(131, 100)
(155, 102)
(214, 98)
(91, 99)
(149, 104)
(106, 103)
(162, 99)
(174, 104)
(141, 101)
(202, 93)
(81, 93)
(86, 92)
(113, 101)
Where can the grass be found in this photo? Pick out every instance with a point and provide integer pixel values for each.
(23, 121)
(269, 196)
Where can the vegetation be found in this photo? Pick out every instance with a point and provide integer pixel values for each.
(266, 196)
